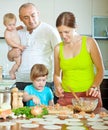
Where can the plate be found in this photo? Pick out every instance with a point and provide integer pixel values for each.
(105, 118)
(106, 122)
(24, 121)
(50, 116)
(73, 119)
(60, 122)
(91, 123)
(94, 119)
(100, 127)
(52, 127)
(47, 122)
(75, 128)
(29, 125)
(7, 123)
(37, 119)
(74, 123)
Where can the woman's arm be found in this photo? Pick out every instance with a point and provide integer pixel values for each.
(98, 63)
(57, 72)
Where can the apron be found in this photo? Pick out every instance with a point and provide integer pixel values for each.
(67, 99)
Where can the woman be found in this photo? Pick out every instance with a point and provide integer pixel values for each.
(75, 58)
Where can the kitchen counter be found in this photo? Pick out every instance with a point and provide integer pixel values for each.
(6, 83)
(105, 77)
(18, 125)
(106, 74)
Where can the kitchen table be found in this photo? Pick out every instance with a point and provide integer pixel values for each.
(18, 126)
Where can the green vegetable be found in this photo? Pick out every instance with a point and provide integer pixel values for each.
(27, 111)
(23, 110)
(44, 111)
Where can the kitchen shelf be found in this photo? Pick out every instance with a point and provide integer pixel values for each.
(2, 38)
(101, 38)
(100, 27)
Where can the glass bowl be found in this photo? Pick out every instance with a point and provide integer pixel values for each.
(86, 104)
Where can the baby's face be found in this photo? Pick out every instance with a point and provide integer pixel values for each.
(40, 82)
(11, 25)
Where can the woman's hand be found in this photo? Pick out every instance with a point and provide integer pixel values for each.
(59, 92)
(36, 100)
(93, 91)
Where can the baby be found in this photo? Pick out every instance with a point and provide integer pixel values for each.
(13, 40)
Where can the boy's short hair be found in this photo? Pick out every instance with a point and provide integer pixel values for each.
(7, 17)
(38, 70)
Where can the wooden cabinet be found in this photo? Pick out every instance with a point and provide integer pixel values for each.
(104, 92)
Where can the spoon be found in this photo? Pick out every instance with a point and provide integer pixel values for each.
(73, 93)
(76, 97)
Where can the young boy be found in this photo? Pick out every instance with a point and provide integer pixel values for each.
(13, 40)
(37, 93)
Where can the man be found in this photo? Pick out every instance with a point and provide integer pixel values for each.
(40, 40)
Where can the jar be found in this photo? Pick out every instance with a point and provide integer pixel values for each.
(5, 96)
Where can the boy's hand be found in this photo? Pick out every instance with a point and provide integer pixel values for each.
(36, 100)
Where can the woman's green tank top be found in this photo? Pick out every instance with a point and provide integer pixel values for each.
(77, 72)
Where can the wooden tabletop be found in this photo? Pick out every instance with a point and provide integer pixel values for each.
(18, 126)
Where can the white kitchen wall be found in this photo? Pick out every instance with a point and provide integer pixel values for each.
(103, 44)
(4, 62)
(49, 10)
(82, 11)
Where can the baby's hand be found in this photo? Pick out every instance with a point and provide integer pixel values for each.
(36, 100)
(19, 27)
(21, 47)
